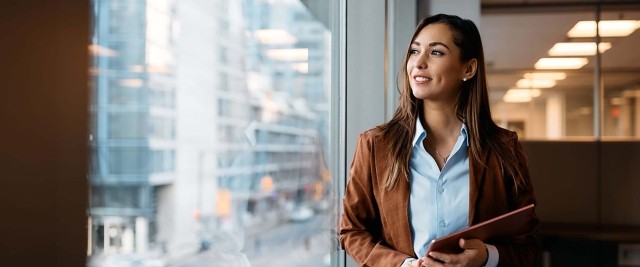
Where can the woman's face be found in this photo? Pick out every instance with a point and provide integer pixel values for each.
(434, 68)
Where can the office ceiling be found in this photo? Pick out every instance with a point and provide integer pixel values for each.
(514, 41)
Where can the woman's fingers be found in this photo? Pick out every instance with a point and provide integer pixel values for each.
(443, 257)
(471, 244)
(474, 254)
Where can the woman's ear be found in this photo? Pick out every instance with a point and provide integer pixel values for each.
(470, 70)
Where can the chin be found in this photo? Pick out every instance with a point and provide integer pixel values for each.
(420, 94)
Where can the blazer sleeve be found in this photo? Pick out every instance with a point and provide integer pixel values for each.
(361, 226)
(521, 250)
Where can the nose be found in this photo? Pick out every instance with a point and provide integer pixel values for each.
(421, 61)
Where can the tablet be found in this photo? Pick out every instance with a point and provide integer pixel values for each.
(509, 224)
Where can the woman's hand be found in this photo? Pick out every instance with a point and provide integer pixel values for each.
(416, 263)
(474, 255)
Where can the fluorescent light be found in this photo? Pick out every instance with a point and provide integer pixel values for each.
(289, 54)
(518, 95)
(301, 67)
(535, 92)
(275, 36)
(578, 49)
(608, 28)
(524, 92)
(546, 75)
(516, 98)
(537, 83)
(561, 63)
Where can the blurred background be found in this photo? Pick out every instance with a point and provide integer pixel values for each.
(220, 133)
(210, 122)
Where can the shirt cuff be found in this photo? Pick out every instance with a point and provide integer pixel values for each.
(493, 256)
(407, 261)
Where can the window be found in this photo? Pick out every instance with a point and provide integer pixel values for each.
(127, 125)
(620, 72)
(209, 134)
(224, 82)
(557, 102)
(128, 160)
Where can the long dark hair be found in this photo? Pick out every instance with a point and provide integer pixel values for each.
(472, 107)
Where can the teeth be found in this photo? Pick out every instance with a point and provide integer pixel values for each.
(422, 79)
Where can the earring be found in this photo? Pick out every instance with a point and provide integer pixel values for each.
(464, 79)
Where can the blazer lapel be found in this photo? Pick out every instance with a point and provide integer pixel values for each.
(396, 202)
(402, 213)
(476, 178)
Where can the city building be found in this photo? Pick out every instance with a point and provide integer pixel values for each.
(192, 135)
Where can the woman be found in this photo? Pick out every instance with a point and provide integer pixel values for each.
(439, 165)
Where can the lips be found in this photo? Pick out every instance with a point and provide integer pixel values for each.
(421, 79)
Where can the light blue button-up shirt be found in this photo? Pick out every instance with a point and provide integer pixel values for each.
(439, 201)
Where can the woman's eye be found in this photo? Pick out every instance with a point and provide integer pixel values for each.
(436, 53)
(414, 52)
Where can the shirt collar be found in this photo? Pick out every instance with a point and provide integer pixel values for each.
(421, 133)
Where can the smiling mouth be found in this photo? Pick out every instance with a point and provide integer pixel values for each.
(422, 79)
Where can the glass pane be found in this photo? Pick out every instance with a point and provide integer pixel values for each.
(554, 102)
(621, 78)
(210, 132)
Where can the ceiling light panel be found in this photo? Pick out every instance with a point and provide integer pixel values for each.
(578, 49)
(608, 28)
(561, 63)
(535, 83)
(519, 95)
(546, 75)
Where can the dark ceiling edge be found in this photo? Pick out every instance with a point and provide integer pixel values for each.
(558, 7)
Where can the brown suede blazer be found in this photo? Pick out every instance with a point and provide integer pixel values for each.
(375, 227)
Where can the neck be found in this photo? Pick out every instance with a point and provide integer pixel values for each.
(440, 120)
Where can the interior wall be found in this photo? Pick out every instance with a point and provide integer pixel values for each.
(586, 182)
(620, 182)
(43, 160)
(564, 177)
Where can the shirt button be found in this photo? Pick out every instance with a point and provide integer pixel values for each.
(443, 224)
(441, 189)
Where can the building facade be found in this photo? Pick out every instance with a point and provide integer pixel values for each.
(208, 116)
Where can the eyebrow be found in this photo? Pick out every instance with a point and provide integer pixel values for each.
(432, 44)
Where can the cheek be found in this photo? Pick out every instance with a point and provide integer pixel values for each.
(455, 70)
